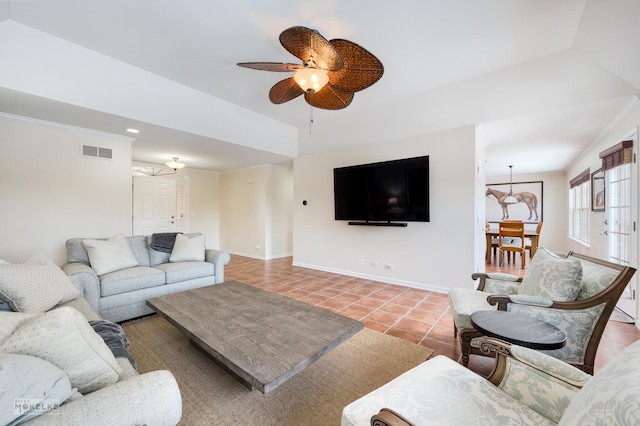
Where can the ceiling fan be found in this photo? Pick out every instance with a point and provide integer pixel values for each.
(330, 73)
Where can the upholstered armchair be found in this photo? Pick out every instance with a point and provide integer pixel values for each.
(576, 294)
(526, 387)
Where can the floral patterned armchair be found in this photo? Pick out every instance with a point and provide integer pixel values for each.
(576, 293)
(526, 387)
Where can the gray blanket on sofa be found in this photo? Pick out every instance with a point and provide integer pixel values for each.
(113, 335)
(163, 241)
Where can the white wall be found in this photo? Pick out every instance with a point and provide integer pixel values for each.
(424, 254)
(204, 205)
(554, 207)
(49, 193)
(255, 212)
(279, 214)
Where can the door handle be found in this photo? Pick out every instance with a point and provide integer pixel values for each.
(604, 232)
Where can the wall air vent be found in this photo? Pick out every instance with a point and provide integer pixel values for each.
(96, 152)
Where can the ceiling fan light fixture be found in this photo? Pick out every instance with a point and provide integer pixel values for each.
(175, 165)
(310, 79)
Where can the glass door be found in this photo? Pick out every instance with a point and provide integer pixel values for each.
(622, 246)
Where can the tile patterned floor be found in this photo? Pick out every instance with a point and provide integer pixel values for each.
(419, 316)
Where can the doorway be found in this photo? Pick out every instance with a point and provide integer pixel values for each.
(154, 205)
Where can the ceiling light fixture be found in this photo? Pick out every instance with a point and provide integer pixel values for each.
(154, 171)
(132, 130)
(175, 164)
(510, 198)
(311, 79)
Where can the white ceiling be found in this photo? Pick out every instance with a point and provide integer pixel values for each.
(543, 78)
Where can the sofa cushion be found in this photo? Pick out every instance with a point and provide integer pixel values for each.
(138, 246)
(187, 249)
(183, 271)
(64, 337)
(552, 277)
(156, 257)
(464, 302)
(109, 255)
(130, 279)
(36, 285)
(38, 383)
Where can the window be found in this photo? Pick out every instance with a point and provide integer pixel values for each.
(579, 202)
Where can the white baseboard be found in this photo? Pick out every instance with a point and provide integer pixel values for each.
(254, 256)
(387, 280)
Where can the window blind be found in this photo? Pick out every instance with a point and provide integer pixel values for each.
(617, 155)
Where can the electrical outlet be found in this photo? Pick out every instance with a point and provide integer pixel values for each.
(388, 267)
(360, 262)
(373, 264)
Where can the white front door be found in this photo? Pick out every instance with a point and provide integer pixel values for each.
(154, 205)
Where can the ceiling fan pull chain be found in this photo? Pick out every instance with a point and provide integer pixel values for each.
(310, 117)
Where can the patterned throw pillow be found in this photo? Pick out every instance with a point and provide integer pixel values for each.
(64, 337)
(109, 255)
(552, 277)
(36, 285)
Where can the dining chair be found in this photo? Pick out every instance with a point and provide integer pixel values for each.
(511, 240)
(494, 240)
(527, 241)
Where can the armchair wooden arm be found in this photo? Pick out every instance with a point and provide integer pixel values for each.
(387, 417)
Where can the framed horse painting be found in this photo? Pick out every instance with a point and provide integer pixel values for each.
(529, 205)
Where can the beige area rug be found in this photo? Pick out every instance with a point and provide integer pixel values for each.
(315, 396)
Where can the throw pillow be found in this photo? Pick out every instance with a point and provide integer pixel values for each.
(552, 277)
(29, 387)
(109, 255)
(10, 321)
(187, 249)
(36, 285)
(64, 337)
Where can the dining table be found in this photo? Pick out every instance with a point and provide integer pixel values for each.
(494, 233)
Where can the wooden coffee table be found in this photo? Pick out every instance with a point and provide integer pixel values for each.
(261, 338)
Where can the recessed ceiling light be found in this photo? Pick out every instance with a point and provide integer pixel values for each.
(136, 131)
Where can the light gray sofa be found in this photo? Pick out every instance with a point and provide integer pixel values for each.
(151, 398)
(122, 295)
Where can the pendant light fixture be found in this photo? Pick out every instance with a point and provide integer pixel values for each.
(510, 198)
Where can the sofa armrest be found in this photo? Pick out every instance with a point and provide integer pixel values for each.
(88, 279)
(219, 258)
(148, 399)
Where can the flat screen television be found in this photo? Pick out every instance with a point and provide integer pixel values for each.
(388, 191)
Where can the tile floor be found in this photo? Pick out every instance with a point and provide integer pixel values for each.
(419, 316)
